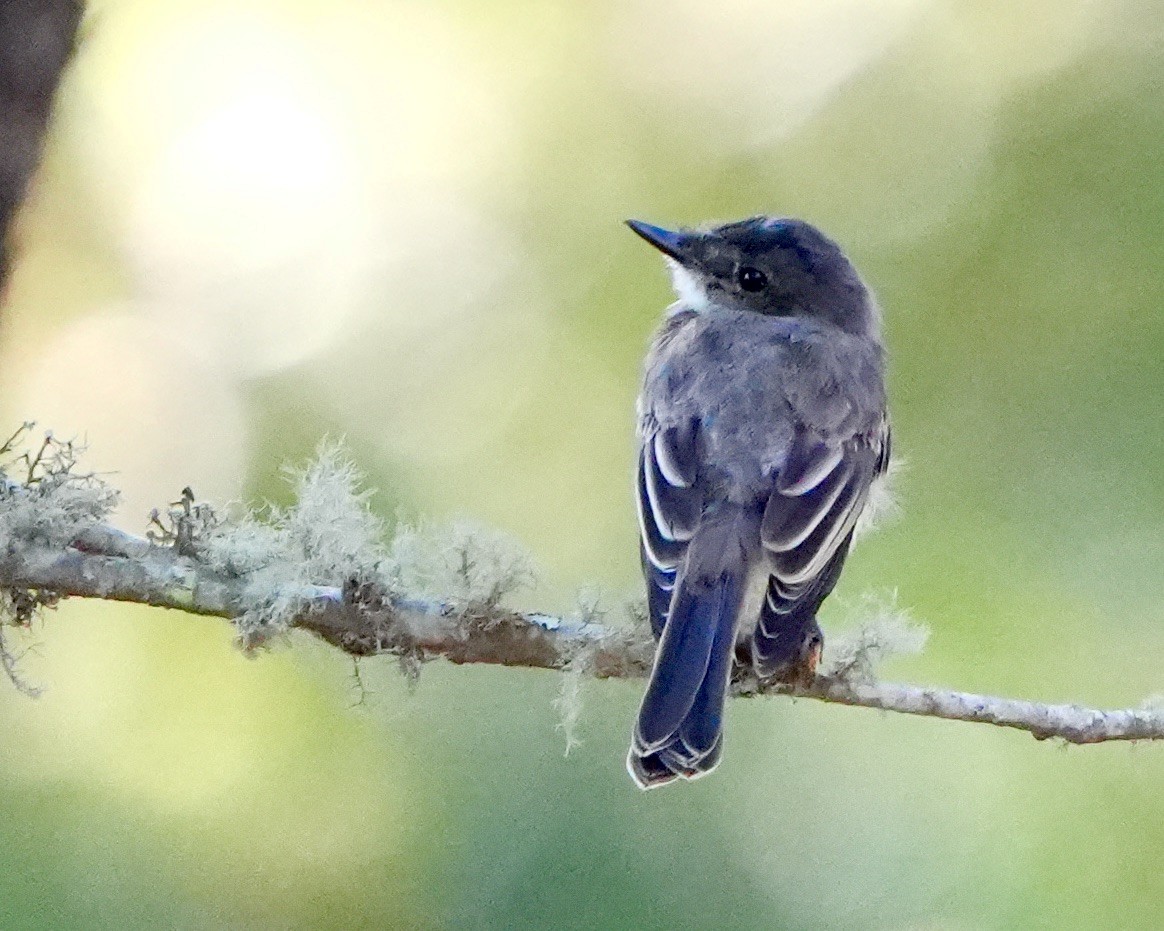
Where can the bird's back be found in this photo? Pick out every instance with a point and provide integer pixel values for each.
(749, 382)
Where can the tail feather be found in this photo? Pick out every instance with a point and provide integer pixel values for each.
(703, 726)
(679, 729)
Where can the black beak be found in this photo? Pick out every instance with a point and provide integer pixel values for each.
(676, 245)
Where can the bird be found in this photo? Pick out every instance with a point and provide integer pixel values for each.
(763, 431)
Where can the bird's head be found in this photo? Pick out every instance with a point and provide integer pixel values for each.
(767, 265)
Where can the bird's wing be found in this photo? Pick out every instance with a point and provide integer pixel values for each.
(809, 518)
(669, 506)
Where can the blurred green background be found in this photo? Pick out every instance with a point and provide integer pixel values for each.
(263, 222)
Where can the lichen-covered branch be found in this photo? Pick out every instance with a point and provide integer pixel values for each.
(364, 624)
(322, 566)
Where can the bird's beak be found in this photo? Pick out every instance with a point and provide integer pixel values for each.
(676, 245)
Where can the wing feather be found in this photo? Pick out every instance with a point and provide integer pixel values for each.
(669, 508)
(674, 449)
(810, 515)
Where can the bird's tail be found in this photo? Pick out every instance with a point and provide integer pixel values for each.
(679, 732)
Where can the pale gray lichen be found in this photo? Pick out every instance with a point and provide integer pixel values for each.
(576, 669)
(882, 508)
(44, 498)
(328, 537)
(466, 566)
(186, 523)
(1154, 704)
(568, 703)
(639, 615)
(44, 501)
(883, 631)
(10, 661)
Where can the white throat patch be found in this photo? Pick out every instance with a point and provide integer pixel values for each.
(692, 293)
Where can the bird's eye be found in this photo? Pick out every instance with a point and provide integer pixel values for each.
(752, 279)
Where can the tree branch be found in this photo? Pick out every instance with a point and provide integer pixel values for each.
(361, 620)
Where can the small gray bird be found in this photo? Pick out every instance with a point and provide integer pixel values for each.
(762, 427)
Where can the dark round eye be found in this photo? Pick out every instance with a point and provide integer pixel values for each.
(752, 279)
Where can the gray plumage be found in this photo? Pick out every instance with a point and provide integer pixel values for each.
(762, 427)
